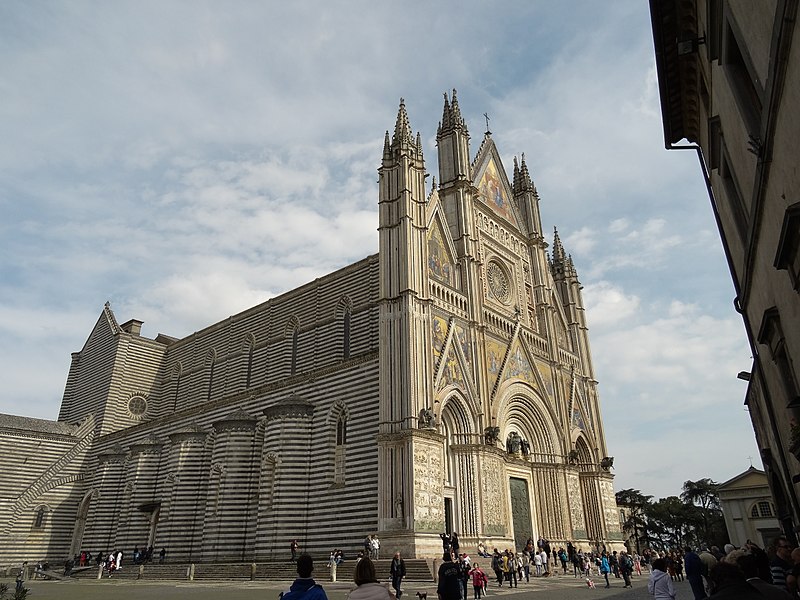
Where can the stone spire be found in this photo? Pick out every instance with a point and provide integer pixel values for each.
(403, 140)
(402, 128)
(558, 249)
(451, 118)
(525, 178)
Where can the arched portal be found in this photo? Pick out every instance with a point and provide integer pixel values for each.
(80, 522)
(459, 430)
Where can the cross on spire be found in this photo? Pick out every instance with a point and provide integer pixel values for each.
(486, 116)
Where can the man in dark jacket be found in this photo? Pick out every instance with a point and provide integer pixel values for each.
(693, 565)
(397, 571)
(304, 586)
(449, 587)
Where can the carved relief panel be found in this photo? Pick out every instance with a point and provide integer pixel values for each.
(575, 501)
(493, 486)
(428, 487)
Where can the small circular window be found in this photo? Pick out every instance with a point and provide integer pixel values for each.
(137, 406)
(498, 282)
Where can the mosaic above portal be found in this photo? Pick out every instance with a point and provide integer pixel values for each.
(440, 266)
(495, 194)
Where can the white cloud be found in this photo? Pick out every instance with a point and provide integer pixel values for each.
(188, 164)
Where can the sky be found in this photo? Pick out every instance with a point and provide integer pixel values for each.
(187, 160)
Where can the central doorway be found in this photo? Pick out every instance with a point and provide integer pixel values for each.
(448, 515)
(520, 512)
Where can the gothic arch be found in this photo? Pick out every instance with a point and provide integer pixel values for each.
(292, 325)
(343, 314)
(248, 352)
(344, 304)
(40, 514)
(524, 411)
(337, 421)
(292, 333)
(586, 458)
(456, 414)
(80, 520)
(209, 363)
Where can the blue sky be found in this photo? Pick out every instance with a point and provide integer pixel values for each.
(186, 160)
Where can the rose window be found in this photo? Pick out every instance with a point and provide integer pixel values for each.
(499, 285)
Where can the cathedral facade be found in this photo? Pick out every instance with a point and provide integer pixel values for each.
(444, 384)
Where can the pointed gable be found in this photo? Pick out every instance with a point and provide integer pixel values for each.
(519, 366)
(441, 264)
(493, 187)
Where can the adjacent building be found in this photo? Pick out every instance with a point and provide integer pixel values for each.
(444, 384)
(729, 81)
(748, 509)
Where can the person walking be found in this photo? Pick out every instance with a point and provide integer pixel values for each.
(660, 583)
(605, 568)
(479, 581)
(626, 568)
(367, 585)
(397, 570)
(497, 567)
(21, 577)
(293, 547)
(694, 572)
(449, 586)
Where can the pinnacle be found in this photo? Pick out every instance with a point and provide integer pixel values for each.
(558, 249)
(451, 116)
(456, 110)
(402, 128)
(446, 114)
(525, 176)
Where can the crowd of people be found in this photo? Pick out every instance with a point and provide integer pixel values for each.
(746, 573)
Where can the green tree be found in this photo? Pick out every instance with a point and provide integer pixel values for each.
(703, 496)
(636, 521)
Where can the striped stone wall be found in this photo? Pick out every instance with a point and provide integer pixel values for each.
(42, 483)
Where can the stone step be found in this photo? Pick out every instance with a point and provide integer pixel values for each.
(416, 570)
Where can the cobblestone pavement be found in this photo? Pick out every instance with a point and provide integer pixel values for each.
(555, 588)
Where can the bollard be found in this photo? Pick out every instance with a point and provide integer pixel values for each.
(252, 571)
(191, 572)
(100, 571)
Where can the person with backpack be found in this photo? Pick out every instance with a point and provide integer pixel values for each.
(304, 587)
(497, 567)
(626, 568)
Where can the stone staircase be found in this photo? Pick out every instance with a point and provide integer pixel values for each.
(417, 569)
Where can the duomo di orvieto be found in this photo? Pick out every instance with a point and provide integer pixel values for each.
(442, 384)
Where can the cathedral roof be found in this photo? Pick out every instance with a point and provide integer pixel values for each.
(36, 425)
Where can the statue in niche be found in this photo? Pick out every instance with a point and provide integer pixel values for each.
(525, 446)
(513, 443)
(491, 435)
(573, 457)
(398, 506)
(427, 419)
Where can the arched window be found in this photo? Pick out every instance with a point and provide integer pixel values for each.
(346, 340)
(177, 372)
(211, 361)
(248, 352)
(40, 518)
(341, 431)
(295, 338)
(762, 509)
(339, 452)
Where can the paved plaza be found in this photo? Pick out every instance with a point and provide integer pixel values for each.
(555, 588)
